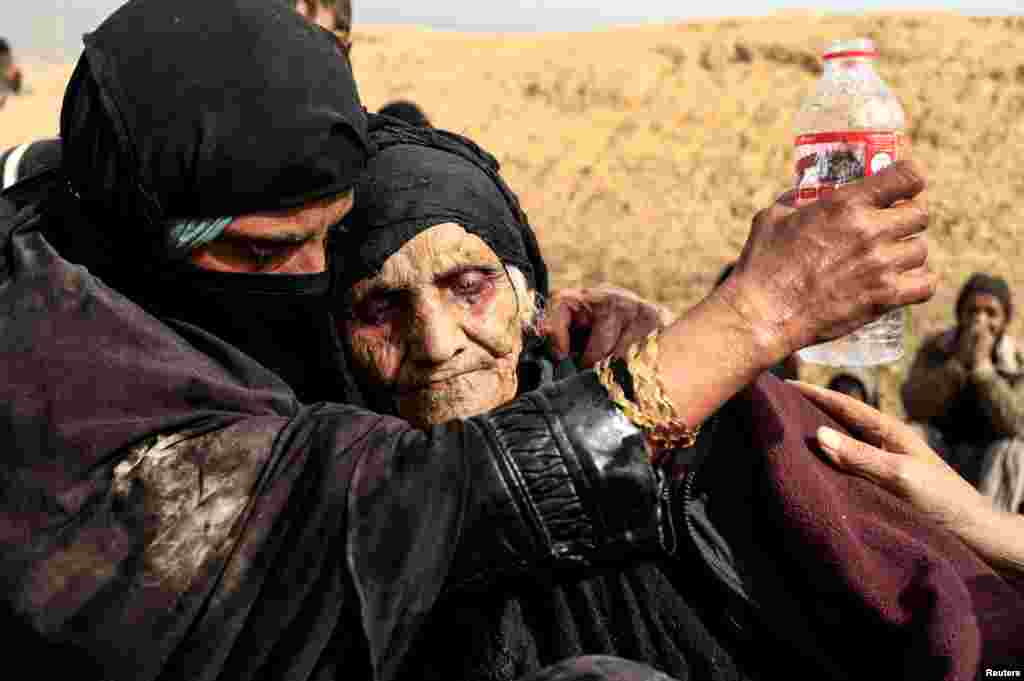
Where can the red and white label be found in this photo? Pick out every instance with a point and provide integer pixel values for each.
(827, 160)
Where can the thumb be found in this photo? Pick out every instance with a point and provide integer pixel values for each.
(555, 325)
(859, 458)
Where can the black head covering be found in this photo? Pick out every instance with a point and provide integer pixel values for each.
(423, 177)
(407, 111)
(985, 283)
(193, 109)
(200, 109)
(420, 178)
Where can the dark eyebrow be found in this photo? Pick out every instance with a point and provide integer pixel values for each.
(272, 238)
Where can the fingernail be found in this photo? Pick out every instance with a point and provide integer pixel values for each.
(829, 438)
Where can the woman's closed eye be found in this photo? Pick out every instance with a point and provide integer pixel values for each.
(267, 255)
(377, 308)
(470, 284)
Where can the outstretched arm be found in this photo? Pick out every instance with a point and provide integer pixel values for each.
(805, 276)
(891, 455)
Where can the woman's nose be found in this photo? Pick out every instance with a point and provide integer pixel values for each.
(435, 335)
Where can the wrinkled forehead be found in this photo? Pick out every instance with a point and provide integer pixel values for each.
(434, 253)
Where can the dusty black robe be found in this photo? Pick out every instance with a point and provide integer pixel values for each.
(168, 510)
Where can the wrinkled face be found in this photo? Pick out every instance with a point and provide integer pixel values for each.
(983, 309)
(282, 242)
(440, 328)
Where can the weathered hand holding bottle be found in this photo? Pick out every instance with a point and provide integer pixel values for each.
(850, 128)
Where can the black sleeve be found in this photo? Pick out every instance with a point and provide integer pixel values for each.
(530, 486)
(26, 160)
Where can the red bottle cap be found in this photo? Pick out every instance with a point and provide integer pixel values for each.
(848, 54)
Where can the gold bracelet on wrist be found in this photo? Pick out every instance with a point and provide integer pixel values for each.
(646, 405)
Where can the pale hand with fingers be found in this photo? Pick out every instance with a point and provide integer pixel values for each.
(892, 456)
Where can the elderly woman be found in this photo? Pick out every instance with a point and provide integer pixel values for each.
(440, 286)
(443, 283)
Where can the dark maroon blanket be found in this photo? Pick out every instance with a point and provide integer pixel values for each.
(882, 584)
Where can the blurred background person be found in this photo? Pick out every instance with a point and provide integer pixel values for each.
(10, 74)
(860, 384)
(333, 15)
(407, 111)
(965, 391)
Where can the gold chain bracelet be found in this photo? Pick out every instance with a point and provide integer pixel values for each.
(651, 409)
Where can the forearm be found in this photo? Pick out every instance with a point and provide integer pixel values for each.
(997, 536)
(712, 352)
(1002, 403)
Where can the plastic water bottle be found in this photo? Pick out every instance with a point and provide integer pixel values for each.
(850, 128)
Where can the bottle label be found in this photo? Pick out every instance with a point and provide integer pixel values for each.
(827, 160)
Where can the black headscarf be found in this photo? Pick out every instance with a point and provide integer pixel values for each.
(407, 111)
(198, 109)
(423, 177)
(986, 283)
(193, 109)
(419, 178)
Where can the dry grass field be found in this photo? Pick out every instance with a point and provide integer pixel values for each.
(641, 153)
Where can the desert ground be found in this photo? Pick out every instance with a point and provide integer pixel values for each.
(641, 153)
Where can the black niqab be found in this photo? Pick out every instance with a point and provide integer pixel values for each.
(196, 109)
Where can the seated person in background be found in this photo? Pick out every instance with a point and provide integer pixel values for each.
(860, 384)
(410, 112)
(10, 74)
(333, 15)
(966, 391)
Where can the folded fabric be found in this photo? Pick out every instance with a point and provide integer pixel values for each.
(883, 587)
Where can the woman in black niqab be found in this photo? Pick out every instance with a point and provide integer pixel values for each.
(171, 115)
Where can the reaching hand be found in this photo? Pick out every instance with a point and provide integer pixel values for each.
(891, 455)
(611, 319)
(817, 273)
